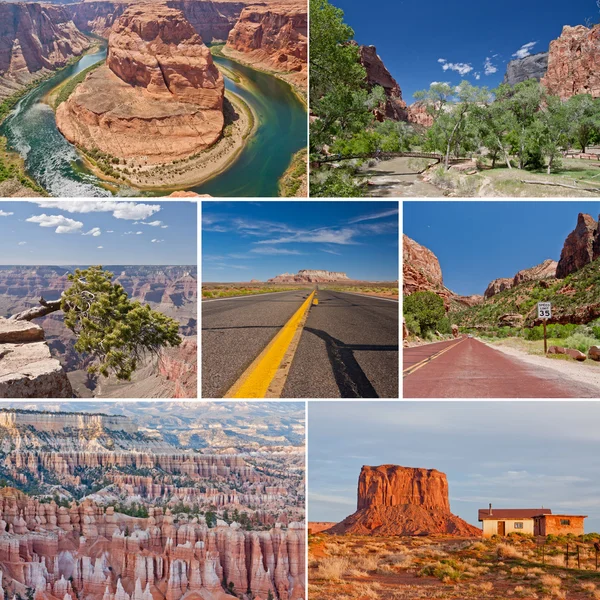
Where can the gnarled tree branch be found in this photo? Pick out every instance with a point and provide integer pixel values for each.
(36, 312)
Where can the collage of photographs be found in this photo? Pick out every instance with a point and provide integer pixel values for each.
(211, 387)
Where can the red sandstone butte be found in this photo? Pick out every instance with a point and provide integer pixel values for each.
(395, 500)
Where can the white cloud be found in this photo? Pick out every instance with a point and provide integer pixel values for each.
(94, 231)
(266, 250)
(488, 67)
(100, 247)
(331, 252)
(152, 223)
(5, 214)
(109, 231)
(460, 68)
(120, 210)
(133, 233)
(442, 60)
(155, 241)
(325, 236)
(379, 215)
(138, 233)
(22, 243)
(62, 223)
(524, 50)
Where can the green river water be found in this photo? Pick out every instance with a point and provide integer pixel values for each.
(55, 164)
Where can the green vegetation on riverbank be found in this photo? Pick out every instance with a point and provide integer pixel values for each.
(69, 86)
(293, 182)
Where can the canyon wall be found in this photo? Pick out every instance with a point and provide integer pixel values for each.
(545, 270)
(34, 39)
(159, 97)
(88, 551)
(581, 247)
(574, 63)
(56, 422)
(27, 370)
(530, 67)
(273, 37)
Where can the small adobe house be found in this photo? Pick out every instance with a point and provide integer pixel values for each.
(532, 521)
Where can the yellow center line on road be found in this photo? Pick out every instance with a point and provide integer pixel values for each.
(413, 368)
(256, 379)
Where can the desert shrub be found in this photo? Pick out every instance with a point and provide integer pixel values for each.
(550, 581)
(426, 308)
(507, 551)
(412, 324)
(332, 568)
(580, 341)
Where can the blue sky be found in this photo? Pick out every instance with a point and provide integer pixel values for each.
(411, 37)
(82, 232)
(514, 456)
(476, 241)
(259, 240)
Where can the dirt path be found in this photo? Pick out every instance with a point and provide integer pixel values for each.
(399, 177)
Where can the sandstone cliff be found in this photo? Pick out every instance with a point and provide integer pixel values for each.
(310, 276)
(394, 500)
(545, 270)
(530, 67)
(27, 369)
(159, 96)
(581, 247)
(574, 63)
(378, 75)
(419, 115)
(273, 37)
(34, 39)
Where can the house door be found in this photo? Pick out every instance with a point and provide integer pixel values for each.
(501, 528)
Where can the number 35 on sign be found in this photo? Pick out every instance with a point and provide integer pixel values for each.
(544, 310)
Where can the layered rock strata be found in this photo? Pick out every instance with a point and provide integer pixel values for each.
(574, 63)
(86, 551)
(273, 37)
(395, 500)
(159, 97)
(545, 270)
(530, 67)
(34, 39)
(27, 370)
(581, 247)
(310, 276)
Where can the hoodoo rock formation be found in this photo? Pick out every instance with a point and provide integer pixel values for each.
(581, 247)
(395, 500)
(545, 270)
(310, 276)
(378, 75)
(273, 37)
(530, 67)
(574, 63)
(159, 96)
(27, 370)
(34, 39)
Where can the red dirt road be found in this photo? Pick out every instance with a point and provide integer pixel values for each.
(467, 368)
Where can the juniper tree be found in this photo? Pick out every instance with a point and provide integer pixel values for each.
(116, 331)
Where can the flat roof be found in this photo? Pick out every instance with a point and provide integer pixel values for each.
(512, 513)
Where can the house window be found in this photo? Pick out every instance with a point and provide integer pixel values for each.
(518, 525)
(565, 521)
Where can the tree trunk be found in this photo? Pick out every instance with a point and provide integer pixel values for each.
(36, 312)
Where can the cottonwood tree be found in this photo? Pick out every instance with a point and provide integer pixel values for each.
(584, 116)
(114, 330)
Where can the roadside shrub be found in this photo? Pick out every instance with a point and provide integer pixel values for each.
(580, 342)
(427, 309)
(412, 324)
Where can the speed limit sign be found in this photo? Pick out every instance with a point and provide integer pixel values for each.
(544, 310)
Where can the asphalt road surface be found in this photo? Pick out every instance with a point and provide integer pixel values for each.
(467, 368)
(348, 348)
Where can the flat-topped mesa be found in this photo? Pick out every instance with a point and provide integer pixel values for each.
(155, 48)
(158, 98)
(396, 500)
(56, 422)
(392, 485)
(310, 276)
(574, 63)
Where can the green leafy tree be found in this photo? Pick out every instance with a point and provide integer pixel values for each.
(549, 132)
(116, 331)
(427, 309)
(584, 116)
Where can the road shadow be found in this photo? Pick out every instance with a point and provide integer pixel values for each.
(349, 376)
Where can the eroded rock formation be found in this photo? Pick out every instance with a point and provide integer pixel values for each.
(419, 115)
(581, 247)
(34, 39)
(378, 75)
(530, 67)
(159, 96)
(273, 37)
(395, 500)
(310, 276)
(544, 270)
(574, 63)
(27, 370)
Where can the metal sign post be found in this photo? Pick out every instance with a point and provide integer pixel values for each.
(545, 313)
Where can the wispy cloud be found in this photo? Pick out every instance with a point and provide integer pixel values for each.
(524, 50)
(378, 215)
(22, 243)
(5, 214)
(94, 231)
(331, 251)
(62, 223)
(155, 241)
(488, 67)
(267, 250)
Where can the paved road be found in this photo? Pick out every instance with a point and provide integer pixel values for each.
(467, 368)
(348, 348)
